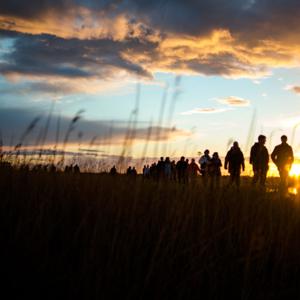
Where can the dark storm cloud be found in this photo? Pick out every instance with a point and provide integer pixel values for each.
(87, 38)
(31, 9)
(196, 17)
(50, 55)
(13, 123)
(246, 18)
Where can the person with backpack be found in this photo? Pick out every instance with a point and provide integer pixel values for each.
(259, 159)
(234, 162)
(204, 162)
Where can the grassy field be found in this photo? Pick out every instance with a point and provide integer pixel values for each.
(91, 236)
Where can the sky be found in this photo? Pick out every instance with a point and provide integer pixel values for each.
(152, 77)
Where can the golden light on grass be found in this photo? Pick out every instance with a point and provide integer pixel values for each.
(293, 191)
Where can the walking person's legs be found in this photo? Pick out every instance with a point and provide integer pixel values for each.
(218, 181)
(263, 177)
(255, 175)
(237, 179)
(284, 174)
(231, 178)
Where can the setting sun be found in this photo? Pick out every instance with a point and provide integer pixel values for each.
(295, 170)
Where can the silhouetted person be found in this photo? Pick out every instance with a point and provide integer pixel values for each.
(234, 161)
(193, 170)
(133, 172)
(161, 168)
(168, 168)
(283, 158)
(153, 171)
(113, 171)
(173, 170)
(186, 175)
(52, 168)
(204, 162)
(128, 172)
(214, 170)
(68, 169)
(181, 167)
(146, 171)
(259, 159)
(76, 169)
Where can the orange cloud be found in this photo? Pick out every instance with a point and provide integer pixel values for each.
(294, 88)
(234, 101)
(77, 22)
(208, 110)
(220, 50)
(217, 53)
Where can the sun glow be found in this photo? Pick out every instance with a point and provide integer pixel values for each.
(295, 170)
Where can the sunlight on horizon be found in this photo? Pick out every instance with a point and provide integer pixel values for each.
(295, 170)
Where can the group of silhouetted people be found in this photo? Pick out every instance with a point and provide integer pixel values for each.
(209, 167)
(131, 171)
(72, 169)
(282, 156)
(40, 168)
(183, 170)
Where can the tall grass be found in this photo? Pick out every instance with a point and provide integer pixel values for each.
(70, 129)
(294, 134)
(46, 129)
(85, 236)
(251, 132)
(131, 131)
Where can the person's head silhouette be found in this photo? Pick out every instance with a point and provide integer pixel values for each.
(235, 145)
(262, 139)
(216, 155)
(283, 139)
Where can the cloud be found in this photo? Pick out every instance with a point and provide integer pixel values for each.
(234, 101)
(209, 110)
(192, 17)
(296, 89)
(80, 38)
(72, 58)
(13, 123)
(293, 88)
(56, 87)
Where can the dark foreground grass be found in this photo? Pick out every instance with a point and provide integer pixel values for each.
(88, 236)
